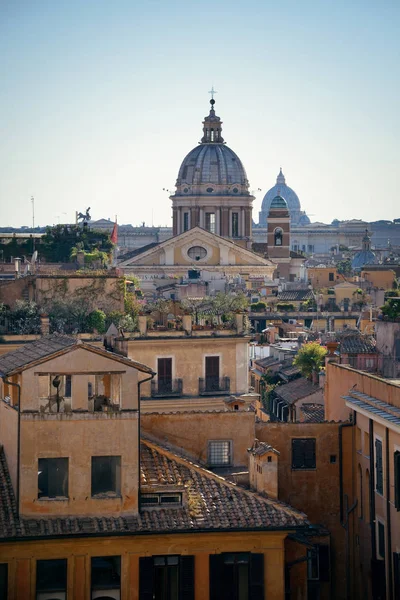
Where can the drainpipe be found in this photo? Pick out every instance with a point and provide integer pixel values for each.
(345, 522)
(388, 519)
(17, 385)
(138, 385)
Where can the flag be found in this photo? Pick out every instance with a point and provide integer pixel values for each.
(114, 235)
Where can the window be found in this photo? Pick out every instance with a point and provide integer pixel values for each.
(212, 373)
(237, 576)
(378, 467)
(331, 276)
(3, 581)
(185, 221)
(166, 577)
(51, 579)
(219, 453)
(381, 540)
(397, 479)
(170, 499)
(311, 248)
(303, 453)
(106, 475)
(106, 576)
(53, 477)
(396, 570)
(366, 449)
(278, 236)
(210, 222)
(360, 492)
(235, 224)
(332, 459)
(318, 563)
(197, 252)
(164, 375)
(358, 439)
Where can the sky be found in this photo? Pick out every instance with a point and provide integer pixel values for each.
(101, 101)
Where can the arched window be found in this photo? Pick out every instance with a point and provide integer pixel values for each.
(278, 236)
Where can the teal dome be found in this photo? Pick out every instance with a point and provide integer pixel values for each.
(279, 202)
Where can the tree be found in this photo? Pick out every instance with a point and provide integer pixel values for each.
(344, 267)
(391, 309)
(310, 358)
(59, 242)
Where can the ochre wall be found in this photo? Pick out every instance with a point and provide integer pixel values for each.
(192, 431)
(22, 558)
(380, 279)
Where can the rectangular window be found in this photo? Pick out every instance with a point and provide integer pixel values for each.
(396, 572)
(53, 477)
(166, 577)
(397, 480)
(381, 539)
(210, 222)
(212, 373)
(3, 581)
(378, 466)
(318, 563)
(185, 221)
(219, 453)
(331, 276)
(303, 453)
(164, 375)
(106, 476)
(237, 576)
(51, 579)
(106, 577)
(235, 224)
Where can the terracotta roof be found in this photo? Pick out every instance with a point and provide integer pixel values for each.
(357, 344)
(260, 448)
(39, 350)
(296, 295)
(34, 351)
(312, 413)
(266, 362)
(295, 390)
(212, 504)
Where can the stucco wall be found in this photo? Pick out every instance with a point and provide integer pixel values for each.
(192, 431)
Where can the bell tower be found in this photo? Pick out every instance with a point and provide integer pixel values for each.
(278, 231)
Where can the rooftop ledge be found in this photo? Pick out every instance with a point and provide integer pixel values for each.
(79, 415)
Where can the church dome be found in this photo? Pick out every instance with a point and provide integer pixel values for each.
(365, 256)
(212, 167)
(279, 189)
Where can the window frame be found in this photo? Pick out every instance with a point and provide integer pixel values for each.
(55, 588)
(107, 494)
(210, 450)
(106, 586)
(50, 461)
(304, 467)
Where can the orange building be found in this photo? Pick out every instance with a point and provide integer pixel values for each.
(89, 512)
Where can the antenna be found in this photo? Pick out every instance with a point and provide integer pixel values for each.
(33, 221)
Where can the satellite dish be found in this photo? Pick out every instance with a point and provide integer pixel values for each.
(34, 257)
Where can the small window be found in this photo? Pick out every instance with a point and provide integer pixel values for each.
(219, 453)
(235, 224)
(381, 540)
(185, 221)
(278, 236)
(269, 459)
(332, 459)
(51, 578)
(3, 581)
(197, 252)
(378, 466)
(331, 276)
(106, 476)
(318, 563)
(303, 453)
(397, 480)
(106, 576)
(210, 222)
(157, 499)
(53, 478)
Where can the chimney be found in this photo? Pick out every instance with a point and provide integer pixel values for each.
(121, 346)
(17, 267)
(44, 324)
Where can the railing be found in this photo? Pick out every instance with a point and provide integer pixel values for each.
(214, 385)
(170, 388)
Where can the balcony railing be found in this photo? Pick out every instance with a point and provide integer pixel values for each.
(214, 385)
(170, 388)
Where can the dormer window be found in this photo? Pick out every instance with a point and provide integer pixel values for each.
(161, 499)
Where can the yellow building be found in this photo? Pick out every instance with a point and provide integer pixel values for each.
(79, 519)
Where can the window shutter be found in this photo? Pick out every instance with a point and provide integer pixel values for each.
(297, 454)
(146, 578)
(324, 563)
(217, 579)
(397, 480)
(257, 576)
(3, 581)
(186, 574)
(379, 466)
(309, 454)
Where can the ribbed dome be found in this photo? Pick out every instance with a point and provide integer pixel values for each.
(214, 164)
(281, 188)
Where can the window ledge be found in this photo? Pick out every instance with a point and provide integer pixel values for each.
(106, 496)
(56, 499)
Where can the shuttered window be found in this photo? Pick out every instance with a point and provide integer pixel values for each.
(303, 453)
(397, 480)
(381, 539)
(378, 466)
(166, 577)
(237, 576)
(3, 581)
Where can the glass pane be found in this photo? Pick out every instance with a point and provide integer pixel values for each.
(51, 575)
(243, 581)
(106, 573)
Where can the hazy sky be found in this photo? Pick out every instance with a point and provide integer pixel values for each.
(100, 102)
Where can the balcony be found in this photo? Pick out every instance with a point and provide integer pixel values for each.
(169, 388)
(213, 386)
